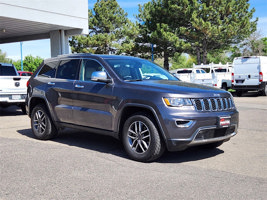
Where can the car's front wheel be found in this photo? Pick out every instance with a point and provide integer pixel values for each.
(141, 139)
(41, 123)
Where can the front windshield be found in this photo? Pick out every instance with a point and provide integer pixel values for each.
(138, 69)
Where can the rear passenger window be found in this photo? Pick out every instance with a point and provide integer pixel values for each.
(68, 69)
(48, 70)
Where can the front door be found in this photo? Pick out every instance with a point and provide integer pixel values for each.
(92, 103)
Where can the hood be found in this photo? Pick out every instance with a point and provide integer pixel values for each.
(179, 87)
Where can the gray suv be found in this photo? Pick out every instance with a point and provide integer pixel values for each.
(131, 99)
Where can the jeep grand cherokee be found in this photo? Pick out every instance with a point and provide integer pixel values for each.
(131, 99)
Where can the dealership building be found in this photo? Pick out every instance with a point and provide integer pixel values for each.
(22, 20)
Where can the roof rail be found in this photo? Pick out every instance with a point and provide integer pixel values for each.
(72, 54)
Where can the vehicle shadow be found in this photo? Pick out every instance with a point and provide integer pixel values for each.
(10, 111)
(248, 94)
(109, 145)
(190, 154)
(86, 140)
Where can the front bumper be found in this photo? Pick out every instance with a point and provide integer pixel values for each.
(204, 128)
(203, 135)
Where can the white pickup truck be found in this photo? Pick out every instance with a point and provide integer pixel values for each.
(216, 75)
(188, 74)
(13, 88)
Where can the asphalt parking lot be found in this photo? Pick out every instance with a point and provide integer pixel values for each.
(79, 165)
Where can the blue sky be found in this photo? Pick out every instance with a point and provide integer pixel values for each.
(42, 47)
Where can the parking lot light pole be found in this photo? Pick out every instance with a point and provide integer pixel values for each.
(21, 60)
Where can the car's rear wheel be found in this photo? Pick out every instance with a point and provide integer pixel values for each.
(141, 139)
(41, 123)
(224, 86)
(239, 93)
(264, 91)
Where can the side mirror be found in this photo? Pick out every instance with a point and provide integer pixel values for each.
(100, 76)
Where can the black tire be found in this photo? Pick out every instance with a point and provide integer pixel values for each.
(41, 123)
(264, 91)
(212, 145)
(23, 109)
(141, 139)
(239, 93)
(224, 86)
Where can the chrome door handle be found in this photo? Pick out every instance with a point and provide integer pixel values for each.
(79, 86)
(51, 83)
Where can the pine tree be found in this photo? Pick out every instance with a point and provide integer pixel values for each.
(158, 21)
(194, 26)
(216, 24)
(107, 21)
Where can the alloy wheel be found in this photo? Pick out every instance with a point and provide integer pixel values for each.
(139, 137)
(39, 122)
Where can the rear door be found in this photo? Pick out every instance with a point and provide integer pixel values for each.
(92, 103)
(60, 93)
(246, 71)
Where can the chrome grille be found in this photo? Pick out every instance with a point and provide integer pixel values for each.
(213, 104)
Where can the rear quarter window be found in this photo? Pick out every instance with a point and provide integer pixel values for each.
(48, 70)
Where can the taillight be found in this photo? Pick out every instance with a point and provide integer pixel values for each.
(27, 84)
(261, 76)
(233, 77)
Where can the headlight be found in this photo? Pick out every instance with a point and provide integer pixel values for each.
(177, 102)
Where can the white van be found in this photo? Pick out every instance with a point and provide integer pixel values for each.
(250, 74)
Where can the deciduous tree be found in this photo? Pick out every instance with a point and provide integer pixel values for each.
(30, 63)
(3, 57)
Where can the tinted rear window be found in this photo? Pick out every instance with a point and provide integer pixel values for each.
(48, 70)
(68, 69)
(220, 70)
(7, 71)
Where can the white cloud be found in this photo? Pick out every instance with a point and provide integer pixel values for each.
(15, 58)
